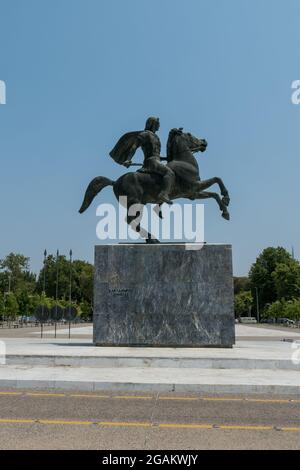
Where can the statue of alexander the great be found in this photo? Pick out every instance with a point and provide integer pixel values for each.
(155, 182)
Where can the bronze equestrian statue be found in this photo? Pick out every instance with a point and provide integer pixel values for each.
(155, 182)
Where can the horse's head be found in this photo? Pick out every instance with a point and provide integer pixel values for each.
(186, 140)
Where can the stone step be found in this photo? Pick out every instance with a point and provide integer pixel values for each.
(184, 380)
(150, 361)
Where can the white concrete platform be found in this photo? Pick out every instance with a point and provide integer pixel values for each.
(80, 353)
(192, 380)
(252, 366)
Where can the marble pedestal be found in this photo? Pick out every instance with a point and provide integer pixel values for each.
(163, 295)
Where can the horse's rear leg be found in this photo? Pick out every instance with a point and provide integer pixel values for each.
(158, 211)
(134, 217)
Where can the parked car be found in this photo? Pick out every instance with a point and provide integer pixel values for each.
(248, 320)
(285, 321)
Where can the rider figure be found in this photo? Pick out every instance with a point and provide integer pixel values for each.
(149, 142)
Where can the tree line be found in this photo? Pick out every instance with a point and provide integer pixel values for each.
(21, 290)
(272, 287)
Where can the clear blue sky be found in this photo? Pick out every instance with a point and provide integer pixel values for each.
(79, 73)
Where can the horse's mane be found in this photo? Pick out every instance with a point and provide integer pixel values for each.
(172, 134)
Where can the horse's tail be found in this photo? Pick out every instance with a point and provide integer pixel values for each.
(95, 186)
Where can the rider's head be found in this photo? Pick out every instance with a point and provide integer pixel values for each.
(152, 124)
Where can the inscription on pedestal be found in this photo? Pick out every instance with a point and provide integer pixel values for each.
(119, 292)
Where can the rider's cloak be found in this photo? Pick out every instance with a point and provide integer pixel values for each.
(126, 147)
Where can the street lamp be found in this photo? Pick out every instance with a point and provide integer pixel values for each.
(70, 285)
(70, 293)
(257, 305)
(8, 292)
(44, 291)
(44, 277)
(56, 291)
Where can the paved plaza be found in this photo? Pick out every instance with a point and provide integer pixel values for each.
(61, 393)
(264, 360)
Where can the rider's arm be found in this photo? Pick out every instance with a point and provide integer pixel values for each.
(133, 149)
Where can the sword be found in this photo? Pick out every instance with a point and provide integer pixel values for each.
(141, 164)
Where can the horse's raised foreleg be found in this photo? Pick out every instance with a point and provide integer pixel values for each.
(220, 202)
(205, 184)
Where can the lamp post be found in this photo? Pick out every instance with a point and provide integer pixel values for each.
(44, 290)
(257, 305)
(56, 291)
(9, 289)
(70, 293)
(44, 276)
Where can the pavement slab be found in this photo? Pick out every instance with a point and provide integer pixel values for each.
(152, 379)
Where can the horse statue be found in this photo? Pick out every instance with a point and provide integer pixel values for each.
(143, 187)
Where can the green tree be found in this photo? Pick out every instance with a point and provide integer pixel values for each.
(4, 282)
(292, 310)
(261, 274)
(276, 310)
(242, 303)
(50, 277)
(2, 305)
(286, 278)
(86, 311)
(16, 274)
(16, 264)
(82, 279)
(27, 303)
(241, 284)
(11, 308)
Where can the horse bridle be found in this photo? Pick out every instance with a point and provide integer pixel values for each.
(196, 149)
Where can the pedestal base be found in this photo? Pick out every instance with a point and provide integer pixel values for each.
(163, 295)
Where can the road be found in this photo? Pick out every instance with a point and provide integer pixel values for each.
(72, 420)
